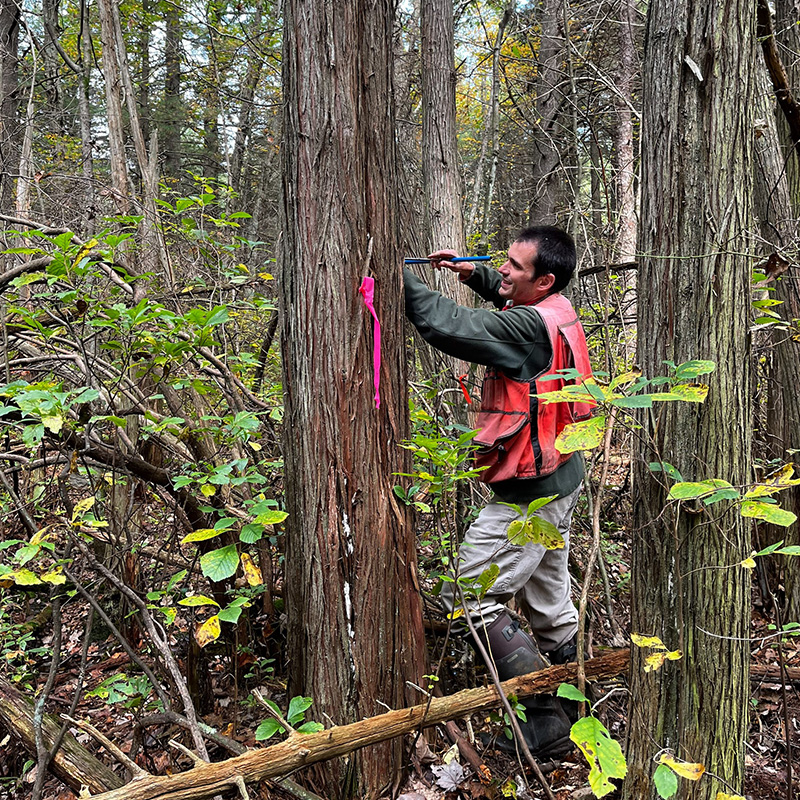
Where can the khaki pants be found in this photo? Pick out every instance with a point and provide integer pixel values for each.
(536, 577)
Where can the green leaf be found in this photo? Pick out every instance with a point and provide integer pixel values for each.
(200, 536)
(251, 533)
(665, 780)
(690, 490)
(538, 503)
(198, 600)
(636, 401)
(267, 729)
(311, 727)
(570, 692)
(271, 517)
(663, 466)
(230, 614)
(297, 709)
(721, 494)
(583, 435)
(693, 369)
(487, 579)
(768, 512)
(791, 550)
(218, 316)
(602, 752)
(220, 564)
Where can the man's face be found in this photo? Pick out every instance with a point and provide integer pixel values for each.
(518, 283)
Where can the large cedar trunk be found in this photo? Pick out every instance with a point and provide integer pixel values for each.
(354, 619)
(9, 98)
(694, 290)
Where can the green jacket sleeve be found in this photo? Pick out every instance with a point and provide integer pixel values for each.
(485, 282)
(514, 341)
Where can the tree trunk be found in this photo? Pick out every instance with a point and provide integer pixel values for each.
(695, 277)
(113, 87)
(548, 145)
(9, 98)
(171, 117)
(351, 583)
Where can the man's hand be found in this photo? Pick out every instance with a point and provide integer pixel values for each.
(441, 258)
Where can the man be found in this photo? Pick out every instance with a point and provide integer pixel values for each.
(535, 334)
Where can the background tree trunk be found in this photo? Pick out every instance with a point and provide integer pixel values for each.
(355, 626)
(9, 98)
(694, 286)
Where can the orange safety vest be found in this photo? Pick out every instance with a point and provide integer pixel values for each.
(518, 433)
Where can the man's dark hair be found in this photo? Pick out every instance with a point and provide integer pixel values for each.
(555, 253)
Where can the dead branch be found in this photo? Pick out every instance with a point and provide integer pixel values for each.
(301, 750)
(75, 765)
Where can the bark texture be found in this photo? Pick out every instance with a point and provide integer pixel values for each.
(9, 98)
(694, 303)
(351, 584)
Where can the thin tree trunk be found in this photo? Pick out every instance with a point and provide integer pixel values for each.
(9, 97)
(113, 89)
(172, 114)
(351, 580)
(696, 184)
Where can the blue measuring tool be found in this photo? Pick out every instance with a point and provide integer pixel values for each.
(451, 260)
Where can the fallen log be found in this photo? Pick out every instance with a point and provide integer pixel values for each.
(770, 672)
(73, 763)
(300, 750)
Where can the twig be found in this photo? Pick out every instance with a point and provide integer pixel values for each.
(272, 712)
(27, 519)
(512, 717)
(588, 572)
(136, 771)
(196, 760)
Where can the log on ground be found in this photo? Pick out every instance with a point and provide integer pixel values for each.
(73, 763)
(300, 750)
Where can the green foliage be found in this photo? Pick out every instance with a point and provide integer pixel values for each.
(532, 529)
(604, 755)
(294, 716)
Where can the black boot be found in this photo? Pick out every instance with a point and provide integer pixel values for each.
(514, 652)
(566, 654)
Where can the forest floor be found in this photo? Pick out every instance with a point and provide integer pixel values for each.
(111, 707)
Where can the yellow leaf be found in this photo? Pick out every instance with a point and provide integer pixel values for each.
(692, 772)
(654, 661)
(208, 490)
(55, 577)
(81, 507)
(674, 655)
(647, 641)
(256, 446)
(53, 423)
(251, 571)
(459, 612)
(778, 480)
(84, 251)
(208, 631)
(266, 276)
(724, 796)
(41, 535)
(748, 563)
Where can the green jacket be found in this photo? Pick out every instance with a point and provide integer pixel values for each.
(515, 342)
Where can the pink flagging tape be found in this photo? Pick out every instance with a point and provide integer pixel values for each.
(367, 290)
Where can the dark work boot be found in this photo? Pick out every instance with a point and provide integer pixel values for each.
(514, 652)
(566, 654)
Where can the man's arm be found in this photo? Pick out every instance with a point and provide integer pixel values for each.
(515, 341)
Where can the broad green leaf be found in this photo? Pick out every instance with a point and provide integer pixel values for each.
(311, 727)
(663, 466)
(196, 600)
(297, 709)
(626, 377)
(251, 533)
(271, 517)
(721, 494)
(602, 752)
(791, 550)
(230, 614)
(691, 490)
(23, 577)
(666, 781)
(570, 692)
(693, 369)
(267, 729)
(218, 316)
(770, 548)
(768, 512)
(635, 401)
(208, 631)
(200, 535)
(583, 435)
(487, 579)
(220, 564)
(538, 503)
(517, 534)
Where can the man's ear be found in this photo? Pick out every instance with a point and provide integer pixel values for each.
(545, 281)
